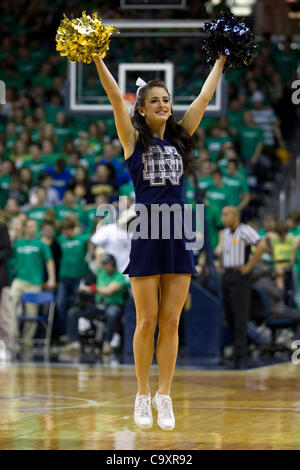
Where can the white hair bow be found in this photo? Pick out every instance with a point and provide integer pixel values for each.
(140, 83)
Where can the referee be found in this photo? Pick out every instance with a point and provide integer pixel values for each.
(236, 282)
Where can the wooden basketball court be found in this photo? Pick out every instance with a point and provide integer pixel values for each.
(82, 407)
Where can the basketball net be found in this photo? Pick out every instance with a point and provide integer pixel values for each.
(129, 99)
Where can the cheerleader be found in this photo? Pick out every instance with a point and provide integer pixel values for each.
(158, 152)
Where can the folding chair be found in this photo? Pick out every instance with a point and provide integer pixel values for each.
(40, 298)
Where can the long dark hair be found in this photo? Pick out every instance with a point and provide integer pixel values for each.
(174, 132)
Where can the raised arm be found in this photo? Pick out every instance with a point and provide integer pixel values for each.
(194, 113)
(126, 131)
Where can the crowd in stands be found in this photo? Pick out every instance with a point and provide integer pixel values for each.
(56, 169)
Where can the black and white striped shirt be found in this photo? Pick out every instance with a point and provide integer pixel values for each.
(237, 245)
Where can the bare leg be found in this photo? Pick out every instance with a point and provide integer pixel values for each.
(174, 289)
(145, 293)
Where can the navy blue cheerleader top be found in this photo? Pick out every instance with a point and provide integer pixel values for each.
(157, 174)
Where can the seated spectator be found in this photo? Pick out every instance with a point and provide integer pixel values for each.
(293, 222)
(52, 196)
(282, 249)
(262, 278)
(30, 255)
(26, 178)
(19, 153)
(12, 208)
(72, 268)
(104, 180)
(110, 290)
(269, 225)
(60, 176)
(73, 162)
(16, 192)
(79, 176)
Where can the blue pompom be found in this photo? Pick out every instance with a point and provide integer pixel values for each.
(231, 37)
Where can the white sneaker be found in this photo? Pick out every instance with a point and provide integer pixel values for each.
(142, 411)
(163, 405)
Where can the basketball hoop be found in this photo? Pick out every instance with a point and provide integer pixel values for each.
(129, 99)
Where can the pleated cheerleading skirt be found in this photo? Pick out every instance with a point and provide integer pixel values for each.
(159, 245)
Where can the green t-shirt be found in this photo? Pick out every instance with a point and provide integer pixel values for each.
(38, 214)
(214, 145)
(35, 167)
(30, 257)
(103, 280)
(249, 137)
(222, 166)
(214, 222)
(237, 186)
(285, 63)
(262, 232)
(207, 122)
(51, 112)
(89, 217)
(235, 118)
(62, 211)
(127, 189)
(50, 159)
(295, 231)
(73, 252)
(219, 196)
(205, 183)
(62, 134)
(43, 80)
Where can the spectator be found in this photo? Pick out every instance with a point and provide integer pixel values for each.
(52, 196)
(251, 139)
(264, 118)
(238, 190)
(68, 207)
(5, 327)
(60, 176)
(30, 255)
(205, 180)
(282, 249)
(72, 268)
(114, 238)
(104, 180)
(35, 163)
(110, 291)
(48, 230)
(218, 192)
(38, 210)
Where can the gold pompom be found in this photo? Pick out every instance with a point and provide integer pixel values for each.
(80, 38)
